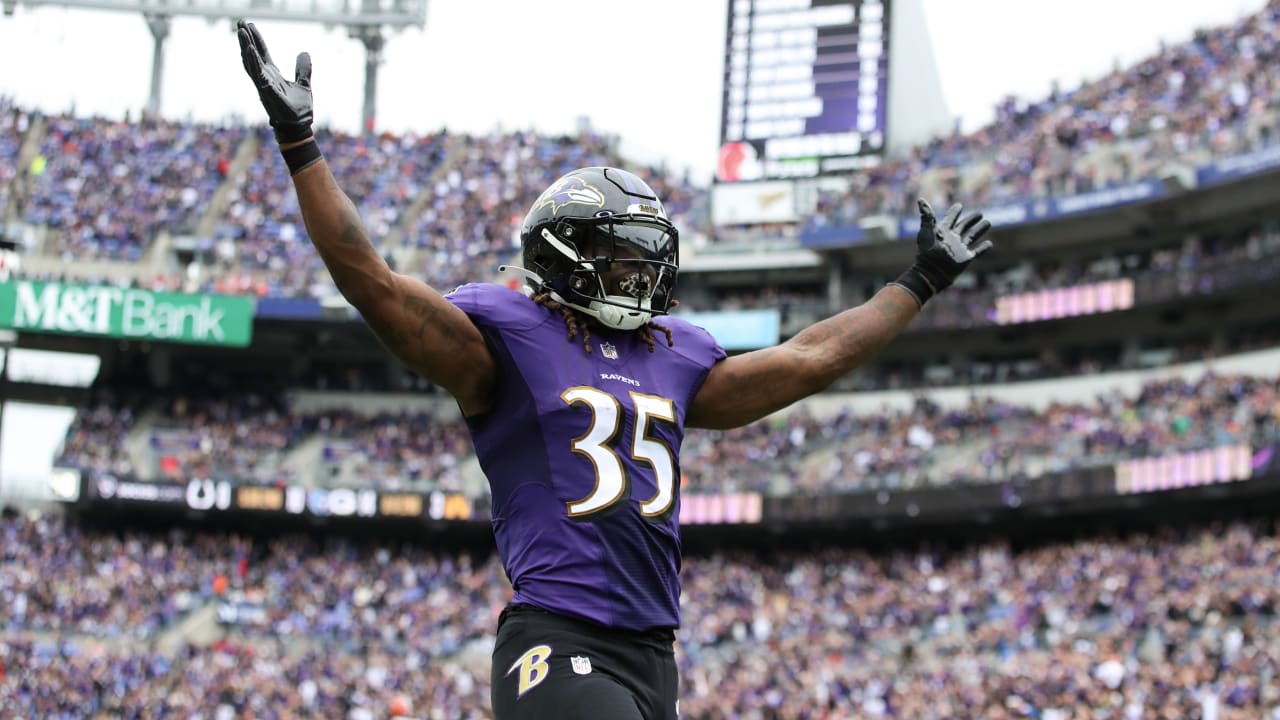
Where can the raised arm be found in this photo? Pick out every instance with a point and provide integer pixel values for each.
(424, 331)
(747, 387)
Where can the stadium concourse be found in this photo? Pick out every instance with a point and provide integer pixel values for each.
(1162, 606)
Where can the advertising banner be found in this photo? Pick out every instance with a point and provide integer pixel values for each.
(225, 496)
(1239, 166)
(126, 313)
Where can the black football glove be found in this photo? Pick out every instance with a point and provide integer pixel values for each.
(943, 250)
(288, 103)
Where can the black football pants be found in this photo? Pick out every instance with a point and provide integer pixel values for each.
(553, 667)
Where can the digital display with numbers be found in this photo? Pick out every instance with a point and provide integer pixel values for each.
(805, 88)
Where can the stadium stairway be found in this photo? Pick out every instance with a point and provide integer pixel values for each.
(199, 627)
(814, 465)
(943, 461)
(306, 459)
(19, 188)
(394, 246)
(222, 196)
(137, 443)
(39, 263)
(163, 253)
(303, 461)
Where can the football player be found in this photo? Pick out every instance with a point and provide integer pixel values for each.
(580, 439)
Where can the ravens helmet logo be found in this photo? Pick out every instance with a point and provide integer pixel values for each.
(570, 191)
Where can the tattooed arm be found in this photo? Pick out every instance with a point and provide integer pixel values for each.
(747, 387)
(429, 334)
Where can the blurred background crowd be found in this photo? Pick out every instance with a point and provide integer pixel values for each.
(799, 451)
(1168, 621)
(1173, 623)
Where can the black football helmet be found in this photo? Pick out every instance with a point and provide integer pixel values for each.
(599, 226)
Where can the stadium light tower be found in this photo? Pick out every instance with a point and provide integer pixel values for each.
(364, 21)
(372, 39)
(159, 26)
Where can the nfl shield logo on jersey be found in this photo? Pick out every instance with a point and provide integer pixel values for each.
(581, 664)
(609, 351)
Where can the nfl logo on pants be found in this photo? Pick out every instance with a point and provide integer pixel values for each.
(581, 664)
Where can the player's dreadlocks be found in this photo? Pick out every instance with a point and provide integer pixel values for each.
(576, 324)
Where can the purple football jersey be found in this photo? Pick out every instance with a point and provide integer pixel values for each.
(582, 452)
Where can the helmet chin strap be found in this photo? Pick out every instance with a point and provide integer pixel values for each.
(619, 318)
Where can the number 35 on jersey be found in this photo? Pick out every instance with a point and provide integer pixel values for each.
(608, 453)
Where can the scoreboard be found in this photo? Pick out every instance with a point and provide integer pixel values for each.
(805, 88)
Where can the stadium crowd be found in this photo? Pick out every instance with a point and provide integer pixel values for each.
(395, 450)
(1196, 266)
(1176, 623)
(1173, 623)
(14, 123)
(983, 441)
(1186, 266)
(252, 437)
(104, 188)
(1210, 97)
(446, 206)
(61, 578)
(259, 245)
(990, 441)
(471, 222)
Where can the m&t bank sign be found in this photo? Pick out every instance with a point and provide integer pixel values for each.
(126, 313)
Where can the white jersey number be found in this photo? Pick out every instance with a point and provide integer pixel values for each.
(612, 483)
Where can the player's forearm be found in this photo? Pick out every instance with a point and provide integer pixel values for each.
(335, 228)
(835, 346)
(744, 388)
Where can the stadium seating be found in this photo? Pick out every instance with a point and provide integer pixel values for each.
(106, 188)
(252, 438)
(117, 620)
(1058, 629)
(1207, 98)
